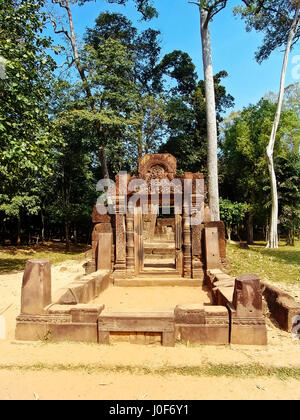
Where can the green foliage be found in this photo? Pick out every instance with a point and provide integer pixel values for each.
(186, 117)
(288, 178)
(27, 146)
(272, 17)
(145, 7)
(232, 213)
(243, 165)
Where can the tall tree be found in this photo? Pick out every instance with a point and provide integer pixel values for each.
(279, 19)
(243, 164)
(208, 9)
(148, 12)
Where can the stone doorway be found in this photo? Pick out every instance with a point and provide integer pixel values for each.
(160, 245)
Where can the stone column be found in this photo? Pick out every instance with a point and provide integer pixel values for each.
(187, 239)
(130, 242)
(197, 264)
(178, 243)
(120, 264)
(213, 260)
(138, 240)
(187, 246)
(36, 287)
(247, 321)
(105, 251)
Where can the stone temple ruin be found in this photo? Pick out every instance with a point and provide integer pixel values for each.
(152, 277)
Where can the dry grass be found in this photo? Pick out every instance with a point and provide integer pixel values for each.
(207, 370)
(275, 265)
(14, 258)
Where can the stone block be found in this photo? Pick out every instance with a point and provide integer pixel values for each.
(198, 324)
(247, 297)
(90, 266)
(212, 248)
(248, 325)
(189, 314)
(86, 314)
(36, 287)
(105, 251)
(77, 332)
(102, 281)
(100, 218)
(249, 332)
(221, 236)
(215, 335)
(282, 306)
(31, 331)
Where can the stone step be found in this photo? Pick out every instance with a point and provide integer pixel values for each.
(159, 264)
(142, 281)
(159, 270)
(151, 257)
(159, 251)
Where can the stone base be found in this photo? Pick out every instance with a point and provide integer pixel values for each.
(85, 333)
(198, 324)
(202, 334)
(252, 335)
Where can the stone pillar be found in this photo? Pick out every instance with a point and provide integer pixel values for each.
(130, 242)
(102, 223)
(187, 245)
(120, 264)
(138, 240)
(221, 236)
(187, 237)
(36, 287)
(105, 251)
(212, 248)
(247, 321)
(178, 243)
(197, 265)
(178, 232)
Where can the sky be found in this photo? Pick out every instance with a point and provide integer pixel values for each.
(233, 48)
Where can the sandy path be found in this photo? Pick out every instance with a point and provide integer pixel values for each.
(61, 385)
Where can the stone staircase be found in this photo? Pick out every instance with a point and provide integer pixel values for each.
(159, 268)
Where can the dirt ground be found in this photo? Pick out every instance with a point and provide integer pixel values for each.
(151, 298)
(29, 370)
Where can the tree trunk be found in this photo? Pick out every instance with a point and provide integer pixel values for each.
(75, 235)
(103, 162)
(43, 226)
(19, 231)
(229, 233)
(68, 243)
(250, 230)
(212, 134)
(140, 145)
(273, 235)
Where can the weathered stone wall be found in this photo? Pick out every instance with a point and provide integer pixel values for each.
(283, 307)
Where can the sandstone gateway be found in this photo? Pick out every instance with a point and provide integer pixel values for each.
(149, 253)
